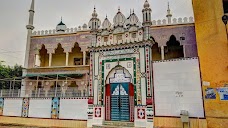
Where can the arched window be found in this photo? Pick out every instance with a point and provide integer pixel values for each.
(43, 57)
(173, 49)
(156, 51)
(146, 17)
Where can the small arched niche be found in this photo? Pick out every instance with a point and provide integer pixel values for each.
(59, 58)
(173, 49)
(156, 51)
(44, 57)
(75, 56)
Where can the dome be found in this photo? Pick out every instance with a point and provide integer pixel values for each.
(133, 19)
(61, 27)
(84, 26)
(94, 22)
(119, 19)
(106, 24)
(146, 4)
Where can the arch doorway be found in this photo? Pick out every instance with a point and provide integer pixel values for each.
(119, 95)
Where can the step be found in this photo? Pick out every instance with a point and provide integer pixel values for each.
(119, 123)
(109, 126)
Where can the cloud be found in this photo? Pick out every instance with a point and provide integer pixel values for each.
(14, 17)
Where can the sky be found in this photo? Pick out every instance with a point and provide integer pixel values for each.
(14, 17)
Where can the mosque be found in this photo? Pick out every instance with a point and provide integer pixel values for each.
(126, 72)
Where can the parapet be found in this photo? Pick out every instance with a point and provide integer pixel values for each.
(174, 21)
(54, 32)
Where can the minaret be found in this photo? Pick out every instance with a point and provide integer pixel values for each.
(146, 20)
(29, 27)
(169, 15)
(94, 24)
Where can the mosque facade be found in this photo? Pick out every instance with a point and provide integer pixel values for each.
(129, 72)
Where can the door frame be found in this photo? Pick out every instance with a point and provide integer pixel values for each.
(108, 102)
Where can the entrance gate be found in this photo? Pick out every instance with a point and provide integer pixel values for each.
(120, 102)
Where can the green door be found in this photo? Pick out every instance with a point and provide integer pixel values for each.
(120, 102)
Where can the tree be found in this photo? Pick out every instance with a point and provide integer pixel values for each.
(8, 73)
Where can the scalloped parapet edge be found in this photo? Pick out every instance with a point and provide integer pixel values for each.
(82, 28)
(174, 21)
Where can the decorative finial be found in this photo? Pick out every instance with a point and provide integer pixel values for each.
(133, 11)
(168, 6)
(94, 7)
(130, 11)
(106, 16)
(32, 5)
(119, 9)
(61, 18)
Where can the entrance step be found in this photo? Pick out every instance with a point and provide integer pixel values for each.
(108, 126)
(118, 123)
(115, 124)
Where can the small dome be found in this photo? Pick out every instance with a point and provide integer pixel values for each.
(84, 26)
(146, 4)
(119, 19)
(61, 27)
(106, 24)
(133, 19)
(94, 14)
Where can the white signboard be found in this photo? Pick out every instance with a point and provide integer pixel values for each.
(177, 86)
(40, 108)
(12, 107)
(73, 109)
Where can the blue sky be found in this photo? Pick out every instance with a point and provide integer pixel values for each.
(14, 18)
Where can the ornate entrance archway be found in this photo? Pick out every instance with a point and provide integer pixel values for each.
(119, 96)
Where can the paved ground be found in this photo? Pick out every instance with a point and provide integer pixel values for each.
(16, 126)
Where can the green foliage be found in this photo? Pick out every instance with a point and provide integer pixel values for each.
(7, 72)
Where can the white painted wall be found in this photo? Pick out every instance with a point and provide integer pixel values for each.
(73, 109)
(173, 77)
(12, 107)
(40, 108)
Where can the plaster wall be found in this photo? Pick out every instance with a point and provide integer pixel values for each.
(73, 109)
(213, 52)
(40, 108)
(73, 55)
(58, 59)
(177, 87)
(12, 107)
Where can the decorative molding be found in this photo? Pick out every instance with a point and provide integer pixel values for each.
(1, 106)
(54, 32)
(175, 21)
(122, 46)
(178, 59)
(97, 112)
(55, 108)
(25, 107)
(141, 113)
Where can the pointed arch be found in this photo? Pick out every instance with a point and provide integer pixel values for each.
(112, 73)
(173, 49)
(76, 55)
(44, 57)
(59, 57)
(156, 51)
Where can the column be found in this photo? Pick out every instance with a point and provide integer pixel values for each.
(84, 57)
(37, 60)
(184, 50)
(67, 58)
(162, 53)
(50, 59)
